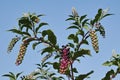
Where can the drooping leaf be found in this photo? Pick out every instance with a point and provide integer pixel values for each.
(85, 42)
(81, 53)
(75, 70)
(10, 75)
(107, 63)
(73, 37)
(92, 22)
(71, 18)
(102, 31)
(38, 65)
(83, 76)
(15, 31)
(52, 74)
(26, 33)
(82, 17)
(35, 44)
(40, 15)
(73, 27)
(24, 37)
(40, 25)
(106, 15)
(51, 36)
(46, 57)
(108, 74)
(76, 24)
(110, 63)
(71, 45)
(47, 49)
(58, 78)
(18, 74)
(57, 56)
(85, 22)
(19, 32)
(36, 73)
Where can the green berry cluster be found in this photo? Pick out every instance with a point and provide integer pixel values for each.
(94, 40)
(12, 44)
(22, 52)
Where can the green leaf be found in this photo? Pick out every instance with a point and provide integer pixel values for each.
(35, 44)
(73, 37)
(56, 65)
(83, 76)
(73, 27)
(51, 36)
(81, 32)
(107, 63)
(36, 73)
(101, 30)
(25, 33)
(71, 45)
(19, 32)
(10, 75)
(92, 22)
(46, 57)
(98, 15)
(40, 25)
(81, 53)
(84, 22)
(52, 74)
(82, 17)
(24, 22)
(24, 37)
(15, 31)
(71, 18)
(56, 56)
(40, 15)
(106, 15)
(18, 74)
(108, 74)
(76, 23)
(86, 27)
(75, 70)
(47, 49)
(85, 42)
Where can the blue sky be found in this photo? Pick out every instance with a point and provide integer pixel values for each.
(57, 12)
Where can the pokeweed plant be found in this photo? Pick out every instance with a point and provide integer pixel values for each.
(29, 31)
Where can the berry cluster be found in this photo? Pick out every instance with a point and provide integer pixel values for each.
(65, 60)
(12, 43)
(22, 51)
(94, 39)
